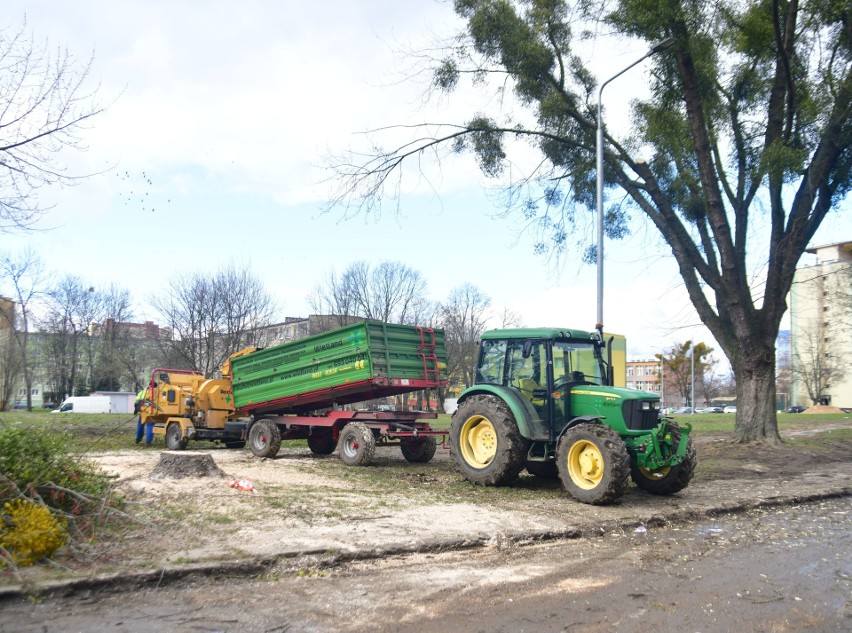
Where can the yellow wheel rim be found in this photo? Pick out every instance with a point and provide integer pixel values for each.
(660, 473)
(478, 441)
(585, 464)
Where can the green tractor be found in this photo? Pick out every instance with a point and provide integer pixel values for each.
(544, 401)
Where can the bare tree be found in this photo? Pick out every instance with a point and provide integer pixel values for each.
(815, 365)
(463, 318)
(44, 107)
(509, 318)
(212, 317)
(713, 384)
(331, 303)
(111, 342)
(390, 292)
(73, 306)
(26, 277)
(11, 358)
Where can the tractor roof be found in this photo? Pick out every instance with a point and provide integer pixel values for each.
(536, 333)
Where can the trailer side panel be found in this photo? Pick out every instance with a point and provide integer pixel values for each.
(354, 363)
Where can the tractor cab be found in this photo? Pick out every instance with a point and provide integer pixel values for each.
(543, 367)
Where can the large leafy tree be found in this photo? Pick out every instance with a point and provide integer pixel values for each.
(748, 115)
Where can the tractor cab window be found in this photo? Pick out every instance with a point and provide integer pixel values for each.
(492, 357)
(576, 362)
(527, 368)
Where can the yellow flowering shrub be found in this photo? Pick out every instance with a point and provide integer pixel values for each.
(29, 532)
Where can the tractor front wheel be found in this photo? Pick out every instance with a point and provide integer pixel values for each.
(264, 438)
(593, 463)
(667, 481)
(487, 446)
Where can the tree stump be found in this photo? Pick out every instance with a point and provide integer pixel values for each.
(179, 465)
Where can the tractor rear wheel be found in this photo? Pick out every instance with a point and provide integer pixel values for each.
(321, 442)
(418, 449)
(175, 440)
(487, 446)
(593, 463)
(264, 438)
(357, 444)
(667, 481)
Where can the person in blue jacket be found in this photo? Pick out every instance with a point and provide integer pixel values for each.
(146, 429)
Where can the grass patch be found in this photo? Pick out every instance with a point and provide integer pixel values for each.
(822, 441)
(724, 422)
(82, 432)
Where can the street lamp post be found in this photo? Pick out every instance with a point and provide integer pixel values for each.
(692, 382)
(656, 48)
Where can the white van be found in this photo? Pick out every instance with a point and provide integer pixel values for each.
(85, 404)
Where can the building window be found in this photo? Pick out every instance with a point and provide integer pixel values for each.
(35, 391)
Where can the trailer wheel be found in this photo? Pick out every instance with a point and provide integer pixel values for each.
(175, 441)
(321, 443)
(487, 446)
(593, 463)
(264, 438)
(667, 481)
(356, 445)
(544, 470)
(418, 449)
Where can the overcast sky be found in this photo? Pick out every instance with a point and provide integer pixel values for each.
(221, 115)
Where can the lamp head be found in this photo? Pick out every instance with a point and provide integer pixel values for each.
(662, 45)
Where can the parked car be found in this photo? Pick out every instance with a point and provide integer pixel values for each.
(714, 410)
(729, 409)
(20, 404)
(796, 409)
(683, 410)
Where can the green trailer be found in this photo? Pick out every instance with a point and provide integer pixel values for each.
(299, 390)
(355, 363)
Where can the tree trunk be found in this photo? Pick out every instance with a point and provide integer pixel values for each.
(756, 415)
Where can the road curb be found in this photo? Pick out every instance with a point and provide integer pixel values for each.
(291, 561)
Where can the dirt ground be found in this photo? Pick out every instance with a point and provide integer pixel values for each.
(300, 504)
(770, 570)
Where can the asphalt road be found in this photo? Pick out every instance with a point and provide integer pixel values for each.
(782, 569)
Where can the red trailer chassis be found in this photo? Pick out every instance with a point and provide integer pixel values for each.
(355, 433)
